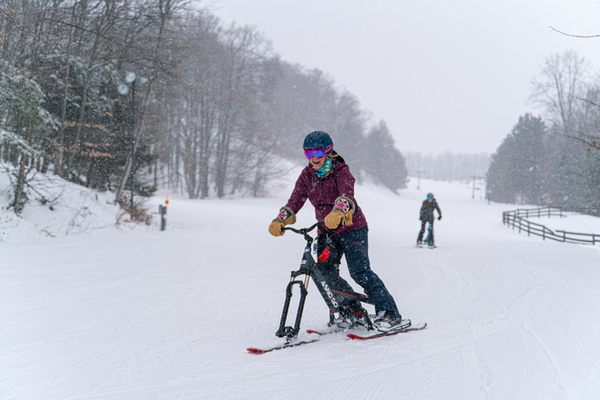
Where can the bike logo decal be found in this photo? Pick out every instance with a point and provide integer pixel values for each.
(326, 287)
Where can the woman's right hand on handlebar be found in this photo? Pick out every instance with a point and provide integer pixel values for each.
(276, 228)
(285, 217)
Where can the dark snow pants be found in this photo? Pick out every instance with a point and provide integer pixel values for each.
(429, 238)
(355, 246)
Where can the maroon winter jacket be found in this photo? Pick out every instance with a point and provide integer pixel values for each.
(322, 193)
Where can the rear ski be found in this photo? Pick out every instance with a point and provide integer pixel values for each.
(375, 335)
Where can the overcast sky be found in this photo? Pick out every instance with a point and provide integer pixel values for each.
(445, 75)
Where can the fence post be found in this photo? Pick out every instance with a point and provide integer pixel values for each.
(162, 211)
(528, 228)
(564, 236)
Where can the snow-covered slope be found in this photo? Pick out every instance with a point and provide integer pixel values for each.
(141, 314)
(58, 208)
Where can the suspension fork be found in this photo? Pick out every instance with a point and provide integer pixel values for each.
(288, 331)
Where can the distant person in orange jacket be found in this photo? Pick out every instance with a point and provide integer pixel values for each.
(427, 209)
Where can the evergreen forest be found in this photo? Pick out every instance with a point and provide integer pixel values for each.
(554, 159)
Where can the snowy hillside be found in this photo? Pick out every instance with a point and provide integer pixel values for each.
(59, 208)
(114, 313)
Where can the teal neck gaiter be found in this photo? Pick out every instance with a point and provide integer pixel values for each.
(324, 170)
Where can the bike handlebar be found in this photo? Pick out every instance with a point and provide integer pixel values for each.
(303, 231)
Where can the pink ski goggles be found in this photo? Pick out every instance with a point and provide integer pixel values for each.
(318, 152)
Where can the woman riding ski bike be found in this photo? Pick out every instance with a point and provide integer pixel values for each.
(329, 186)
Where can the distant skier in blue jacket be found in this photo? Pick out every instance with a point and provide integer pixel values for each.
(427, 209)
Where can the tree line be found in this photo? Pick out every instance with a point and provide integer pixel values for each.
(554, 159)
(216, 109)
(447, 166)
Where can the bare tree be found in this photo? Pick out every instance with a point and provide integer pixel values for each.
(166, 8)
(562, 80)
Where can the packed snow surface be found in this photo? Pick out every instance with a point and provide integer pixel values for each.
(91, 310)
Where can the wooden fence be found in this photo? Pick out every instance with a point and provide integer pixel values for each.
(516, 219)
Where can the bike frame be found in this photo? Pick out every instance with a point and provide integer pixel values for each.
(311, 269)
(429, 229)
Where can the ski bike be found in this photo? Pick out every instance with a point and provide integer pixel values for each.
(334, 298)
(429, 239)
(310, 269)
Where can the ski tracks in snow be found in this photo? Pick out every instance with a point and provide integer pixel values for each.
(485, 304)
(169, 315)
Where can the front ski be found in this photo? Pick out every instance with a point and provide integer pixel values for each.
(283, 346)
(415, 327)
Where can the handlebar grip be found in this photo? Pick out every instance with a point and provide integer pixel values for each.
(303, 230)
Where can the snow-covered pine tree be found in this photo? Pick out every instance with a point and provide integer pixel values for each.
(23, 122)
